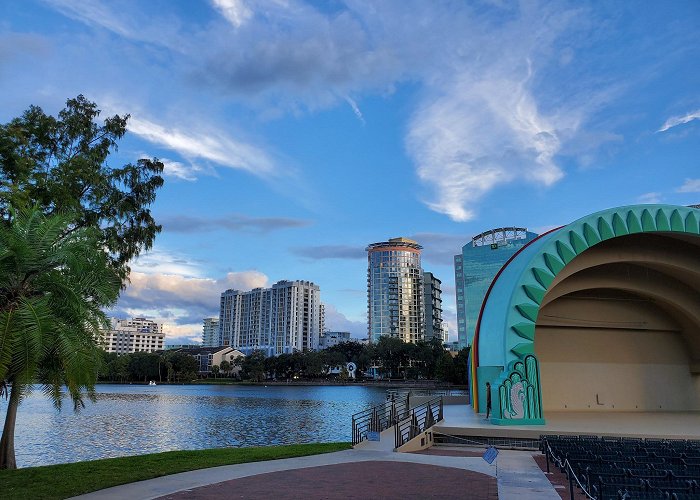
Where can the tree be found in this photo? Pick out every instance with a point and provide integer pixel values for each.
(53, 286)
(254, 366)
(143, 365)
(215, 370)
(225, 367)
(183, 366)
(60, 165)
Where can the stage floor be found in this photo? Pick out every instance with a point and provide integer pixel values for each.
(460, 420)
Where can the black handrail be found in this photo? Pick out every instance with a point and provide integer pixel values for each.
(420, 418)
(378, 418)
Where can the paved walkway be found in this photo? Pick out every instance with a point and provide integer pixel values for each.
(354, 474)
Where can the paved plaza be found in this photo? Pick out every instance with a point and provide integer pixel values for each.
(356, 474)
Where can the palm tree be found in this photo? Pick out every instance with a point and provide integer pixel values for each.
(54, 282)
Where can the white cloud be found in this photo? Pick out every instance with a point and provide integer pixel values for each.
(213, 145)
(674, 121)
(179, 170)
(180, 302)
(355, 109)
(235, 11)
(690, 186)
(157, 261)
(159, 30)
(477, 135)
(338, 322)
(649, 198)
(157, 288)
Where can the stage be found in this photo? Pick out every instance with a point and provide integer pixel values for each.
(460, 420)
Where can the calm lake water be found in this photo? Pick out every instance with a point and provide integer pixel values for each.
(136, 419)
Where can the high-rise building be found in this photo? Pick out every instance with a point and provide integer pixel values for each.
(133, 335)
(395, 290)
(282, 319)
(210, 332)
(432, 307)
(475, 269)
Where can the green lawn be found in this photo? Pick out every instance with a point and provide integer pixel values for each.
(66, 480)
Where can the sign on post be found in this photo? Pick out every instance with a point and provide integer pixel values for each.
(490, 454)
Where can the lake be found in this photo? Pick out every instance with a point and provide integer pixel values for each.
(138, 419)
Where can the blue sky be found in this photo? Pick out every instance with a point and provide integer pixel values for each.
(296, 133)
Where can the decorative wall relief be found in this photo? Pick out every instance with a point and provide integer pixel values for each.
(520, 395)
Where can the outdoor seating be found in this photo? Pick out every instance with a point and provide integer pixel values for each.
(616, 468)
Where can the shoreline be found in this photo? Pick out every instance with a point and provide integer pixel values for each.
(389, 384)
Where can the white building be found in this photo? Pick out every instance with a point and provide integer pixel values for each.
(285, 318)
(209, 356)
(133, 335)
(329, 339)
(210, 332)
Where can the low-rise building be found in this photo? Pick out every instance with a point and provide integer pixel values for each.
(209, 356)
(329, 339)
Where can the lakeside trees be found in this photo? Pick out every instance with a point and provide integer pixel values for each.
(171, 366)
(69, 224)
(391, 357)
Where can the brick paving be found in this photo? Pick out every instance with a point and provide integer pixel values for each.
(358, 480)
(450, 453)
(558, 479)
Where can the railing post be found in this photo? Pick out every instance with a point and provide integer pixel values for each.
(354, 431)
(571, 481)
(546, 454)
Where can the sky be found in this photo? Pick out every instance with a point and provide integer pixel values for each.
(296, 133)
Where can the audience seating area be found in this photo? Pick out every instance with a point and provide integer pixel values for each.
(611, 468)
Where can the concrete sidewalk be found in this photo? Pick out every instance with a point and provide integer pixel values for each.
(516, 472)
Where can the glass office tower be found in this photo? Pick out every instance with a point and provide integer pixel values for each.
(395, 290)
(475, 269)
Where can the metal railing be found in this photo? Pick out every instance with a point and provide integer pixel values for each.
(379, 418)
(419, 419)
(420, 391)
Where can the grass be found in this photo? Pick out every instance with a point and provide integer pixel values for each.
(66, 480)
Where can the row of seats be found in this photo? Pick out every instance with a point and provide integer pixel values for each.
(616, 467)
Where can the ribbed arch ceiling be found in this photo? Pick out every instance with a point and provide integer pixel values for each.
(677, 295)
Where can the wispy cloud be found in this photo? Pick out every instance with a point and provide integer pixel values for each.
(235, 11)
(690, 186)
(355, 109)
(213, 145)
(229, 222)
(179, 170)
(159, 30)
(652, 197)
(322, 252)
(674, 121)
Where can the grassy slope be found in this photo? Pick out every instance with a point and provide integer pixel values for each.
(66, 480)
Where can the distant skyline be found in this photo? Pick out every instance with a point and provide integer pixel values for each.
(295, 133)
